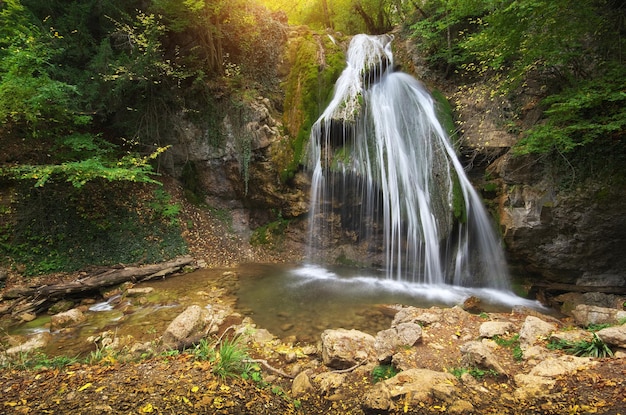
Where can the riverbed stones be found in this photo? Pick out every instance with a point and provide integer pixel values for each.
(586, 315)
(534, 329)
(301, 385)
(343, 348)
(67, 318)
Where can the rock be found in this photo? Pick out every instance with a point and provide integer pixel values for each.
(132, 292)
(478, 354)
(61, 306)
(532, 329)
(301, 385)
(572, 336)
(36, 342)
(490, 329)
(531, 386)
(187, 324)
(472, 304)
(562, 365)
(67, 318)
(586, 315)
(388, 341)
(27, 316)
(343, 348)
(329, 382)
(414, 385)
(613, 336)
(417, 316)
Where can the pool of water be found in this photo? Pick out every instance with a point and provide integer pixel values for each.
(303, 300)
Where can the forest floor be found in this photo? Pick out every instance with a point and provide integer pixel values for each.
(183, 384)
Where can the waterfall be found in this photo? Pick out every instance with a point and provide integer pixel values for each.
(386, 178)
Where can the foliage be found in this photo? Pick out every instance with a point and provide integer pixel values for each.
(512, 343)
(231, 358)
(570, 56)
(382, 372)
(475, 372)
(272, 233)
(60, 228)
(308, 89)
(593, 348)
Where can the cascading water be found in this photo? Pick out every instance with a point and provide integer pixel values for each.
(384, 171)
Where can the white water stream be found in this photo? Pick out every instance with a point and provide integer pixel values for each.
(380, 139)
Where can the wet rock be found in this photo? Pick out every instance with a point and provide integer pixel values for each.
(343, 348)
(61, 306)
(478, 354)
(186, 325)
(472, 304)
(66, 319)
(26, 317)
(301, 385)
(534, 328)
(589, 314)
(390, 340)
(133, 292)
(38, 341)
(613, 336)
(490, 329)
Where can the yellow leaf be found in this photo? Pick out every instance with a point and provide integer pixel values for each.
(147, 409)
(85, 386)
(101, 388)
(195, 389)
(11, 404)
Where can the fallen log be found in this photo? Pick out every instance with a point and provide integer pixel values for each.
(109, 278)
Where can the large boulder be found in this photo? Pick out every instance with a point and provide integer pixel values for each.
(413, 386)
(390, 340)
(614, 336)
(533, 329)
(343, 348)
(589, 314)
(185, 326)
(478, 354)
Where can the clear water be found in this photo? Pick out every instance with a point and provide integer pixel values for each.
(304, 300)
(380, 149)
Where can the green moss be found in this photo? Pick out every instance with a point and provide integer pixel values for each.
(458, 201)
(445, 114)
(308, 89)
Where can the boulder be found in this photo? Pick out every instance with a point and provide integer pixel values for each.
(586, 315)
(185, 326)
(417, 316)
(534, 328)
(563, 365)
(478, 354)
(414, 386)
(388, 341)
(68, 318)
(613, 336)
(490, 329)
(38, 341)
(343, 348)
(301, 385)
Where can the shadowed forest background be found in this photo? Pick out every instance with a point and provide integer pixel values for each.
(93, 93)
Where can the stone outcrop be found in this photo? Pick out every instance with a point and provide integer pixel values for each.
(586, 315)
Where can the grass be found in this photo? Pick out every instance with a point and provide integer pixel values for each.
(592, 348)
